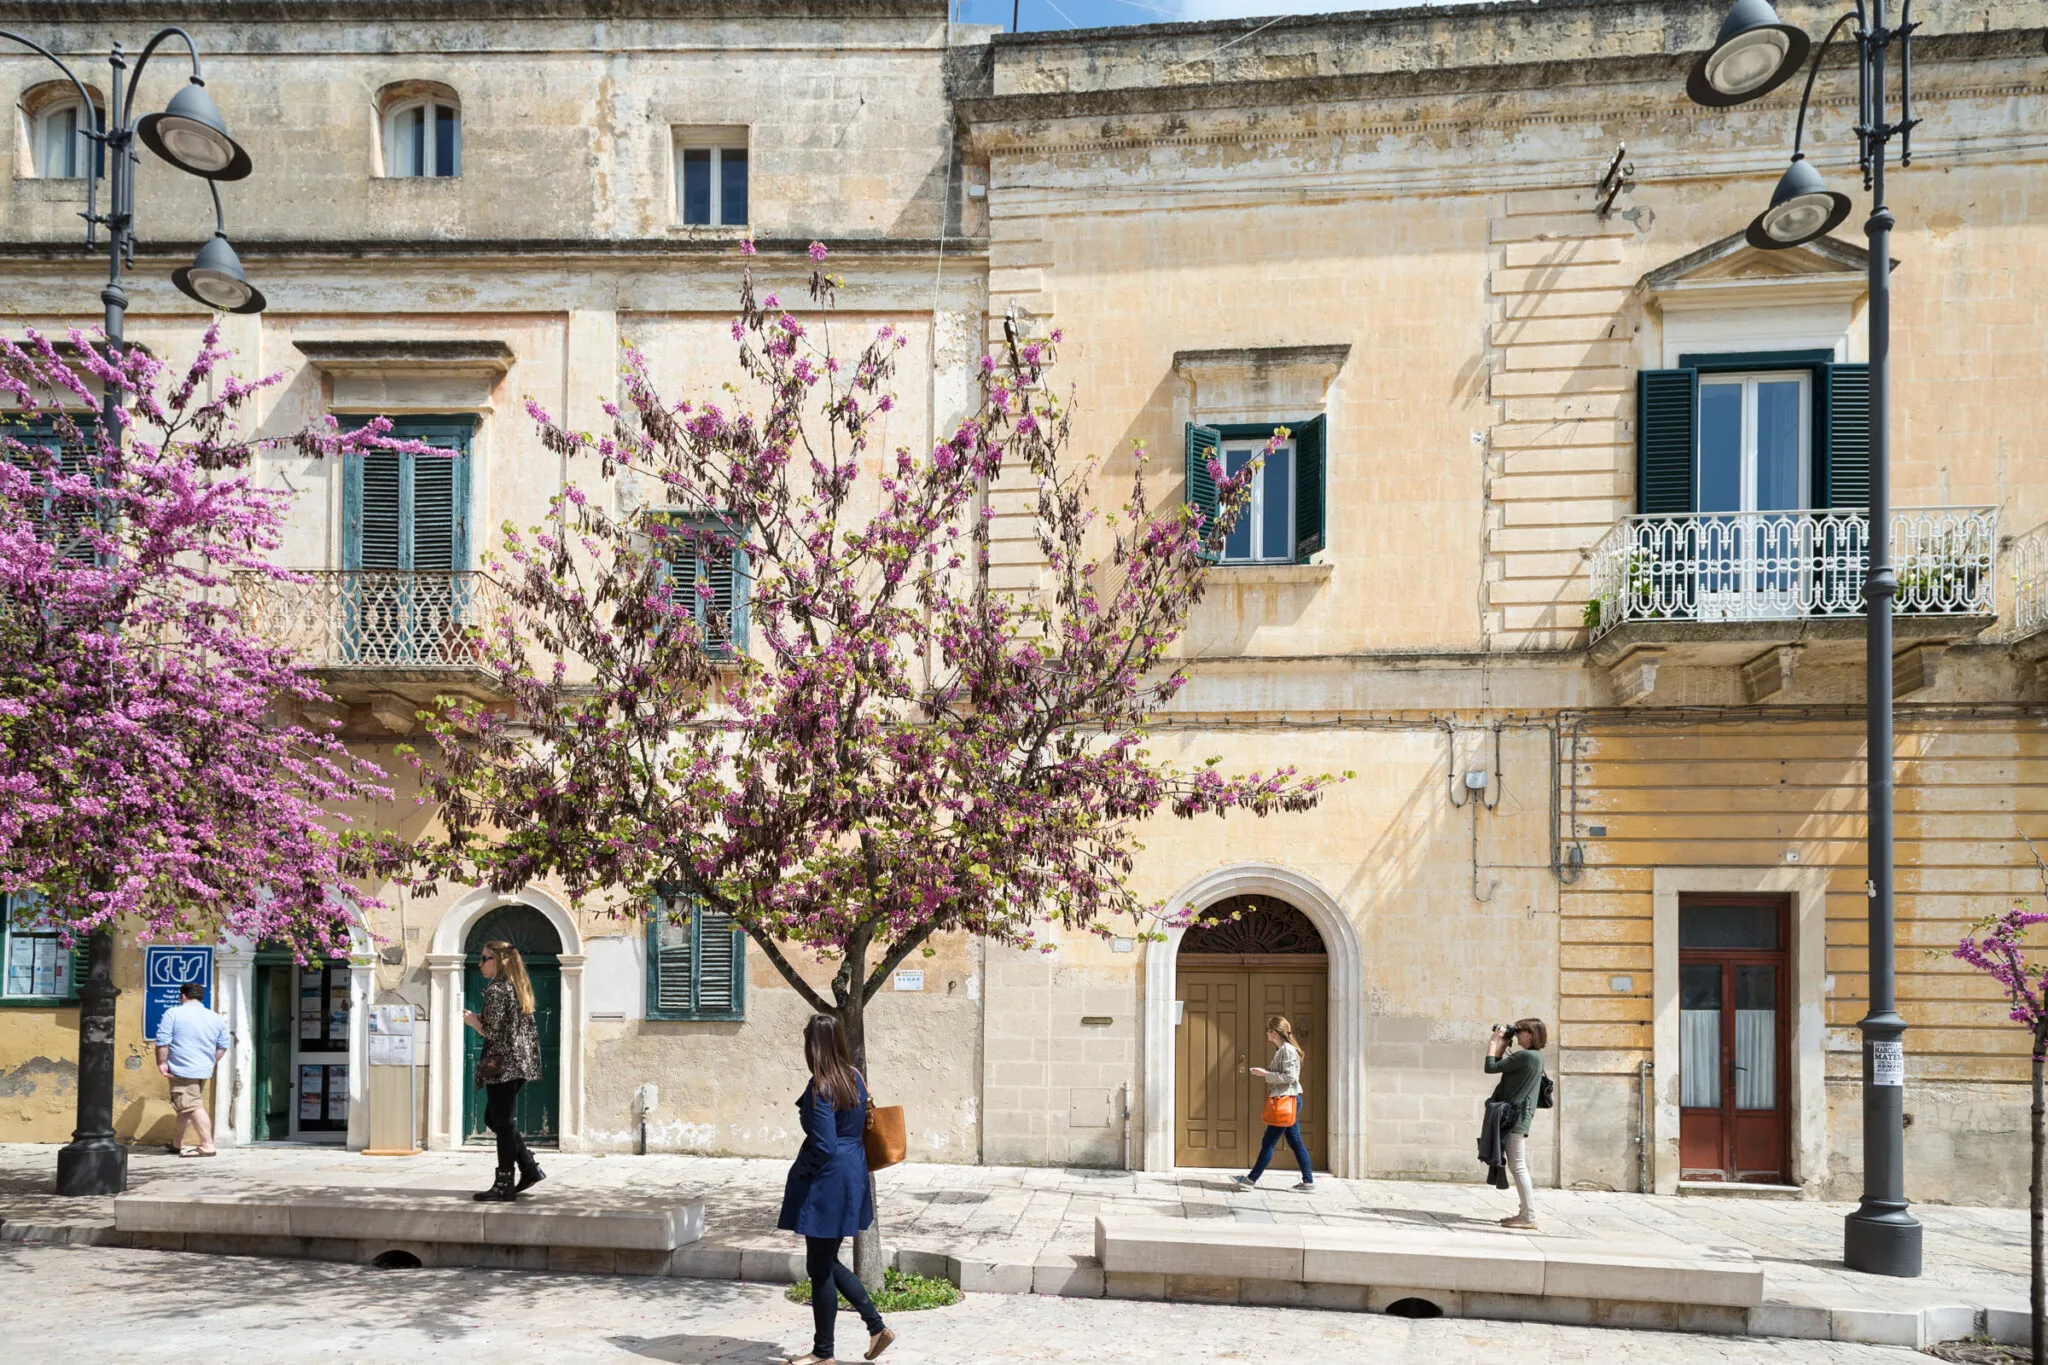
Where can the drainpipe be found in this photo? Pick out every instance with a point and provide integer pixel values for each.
(1127, 1124)
(1644, 1070)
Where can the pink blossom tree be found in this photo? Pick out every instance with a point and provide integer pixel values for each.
(145, 775)
(1998, 946)
(878, 747)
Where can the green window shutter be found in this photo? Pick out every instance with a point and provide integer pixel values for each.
(668, 964)
(1842, 475)
(738, 582)
(718, 959)
(433, 513)
(1310, 483)
(1667, 439)
(724, 605)
(81, 962)
(372, 512)
(1204, 444)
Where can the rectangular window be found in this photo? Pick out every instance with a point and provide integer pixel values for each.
(711, 180)
(1754, 437)
(39, 968)
(66, 519)
(696, 963)
(1283, 522)
(706, 567)
(410, 513)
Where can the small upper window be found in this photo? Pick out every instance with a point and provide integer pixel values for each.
(62, 140)
(711, 177)
(1283, 521)
(423, 139)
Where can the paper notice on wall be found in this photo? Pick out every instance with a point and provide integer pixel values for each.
(910, 981)
(1888, 1063)
(391, 1049)
(337, 1012)
(309, 1005)
(337, 1094)
(390, 1019)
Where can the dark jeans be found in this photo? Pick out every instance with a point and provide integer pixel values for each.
(498, 1101)
(1292, 1132)
(830, 1279)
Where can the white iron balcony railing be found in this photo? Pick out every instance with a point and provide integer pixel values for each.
(373, 619)
(1721, 567)
(2028, 556)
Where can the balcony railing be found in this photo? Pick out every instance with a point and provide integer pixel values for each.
(2028, 555)
(375, 619)
(1721, 567)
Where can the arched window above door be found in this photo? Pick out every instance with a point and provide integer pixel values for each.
(60, 128)
(422, 131)
(1251, 924)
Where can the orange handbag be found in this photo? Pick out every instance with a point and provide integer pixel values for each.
(886, 1136)
(1281, 1110)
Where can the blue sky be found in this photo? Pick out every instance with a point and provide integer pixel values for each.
(1058, 14)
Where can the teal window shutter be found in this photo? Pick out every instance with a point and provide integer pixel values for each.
(1204, 444)
(1667, 440)
(1842, 475)
(696, 963)
(410, 513)
(1310, 484)
(705, 550)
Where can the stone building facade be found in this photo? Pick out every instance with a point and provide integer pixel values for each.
(1603, 701)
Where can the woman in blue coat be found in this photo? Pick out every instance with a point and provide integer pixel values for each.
(827, 1198)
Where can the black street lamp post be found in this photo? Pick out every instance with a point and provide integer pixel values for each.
(1753, 54)
(190, 135)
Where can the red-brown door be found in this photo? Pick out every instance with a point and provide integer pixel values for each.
(1733, 1048)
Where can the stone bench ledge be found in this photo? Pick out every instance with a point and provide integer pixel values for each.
(425, 1216)
(1430, 1259)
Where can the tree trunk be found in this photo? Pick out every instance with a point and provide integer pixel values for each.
(2039, 1302)
(867, 1243)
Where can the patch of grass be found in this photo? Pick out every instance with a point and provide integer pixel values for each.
(902, 1292)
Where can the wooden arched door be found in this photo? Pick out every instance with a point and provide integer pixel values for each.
(539, 1106)
(1241, 961)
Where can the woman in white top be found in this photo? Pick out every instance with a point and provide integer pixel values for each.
(1283, 1098)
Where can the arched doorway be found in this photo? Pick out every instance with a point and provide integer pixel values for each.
(539, 1107)
(1246, 957)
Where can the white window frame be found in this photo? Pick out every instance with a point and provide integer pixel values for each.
(429, 110)
(42, 138)
(1255, 510)
(1748, 457)
(718, 147)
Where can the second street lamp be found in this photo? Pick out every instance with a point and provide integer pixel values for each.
(191, 135)
(1753, 54)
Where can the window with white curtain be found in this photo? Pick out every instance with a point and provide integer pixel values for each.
(61, 141)
(423, 140)
(711, 177)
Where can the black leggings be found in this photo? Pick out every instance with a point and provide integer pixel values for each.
(830, 1279)
(498, 1102)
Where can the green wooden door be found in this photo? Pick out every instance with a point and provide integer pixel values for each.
(274, 1015)
(538, 1107)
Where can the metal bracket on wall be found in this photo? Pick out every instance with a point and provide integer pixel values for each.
(1620, 175)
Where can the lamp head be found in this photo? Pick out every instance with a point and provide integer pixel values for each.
(1802, 208)
(1754, 54)
(191, 135)
(215, 279)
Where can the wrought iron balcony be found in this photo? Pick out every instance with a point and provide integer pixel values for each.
(1749, 573)
(2028, 555)
(379, 625)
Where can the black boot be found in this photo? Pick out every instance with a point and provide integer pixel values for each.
(530, 1173)
(500, 1191)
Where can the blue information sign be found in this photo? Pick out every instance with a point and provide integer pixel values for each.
(165, 969)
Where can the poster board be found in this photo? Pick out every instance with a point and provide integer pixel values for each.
(166, 969)
(393, 1081)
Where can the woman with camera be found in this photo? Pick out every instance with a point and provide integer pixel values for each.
(1283, 1104)
(1521, 1080)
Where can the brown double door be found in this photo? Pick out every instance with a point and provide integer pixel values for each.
(1733, 1043)
(1222, 1004)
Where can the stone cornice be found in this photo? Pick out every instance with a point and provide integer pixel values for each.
(108, 12)
(776, 251)
(1566, 91)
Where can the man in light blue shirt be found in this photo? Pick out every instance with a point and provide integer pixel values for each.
(189, 1041)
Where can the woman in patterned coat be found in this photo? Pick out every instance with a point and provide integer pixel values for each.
(511, 1058)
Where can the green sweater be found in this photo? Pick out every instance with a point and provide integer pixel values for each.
(1521, 1075)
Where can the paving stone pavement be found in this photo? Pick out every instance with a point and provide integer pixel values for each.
(105, 1304)
(1014, 1214)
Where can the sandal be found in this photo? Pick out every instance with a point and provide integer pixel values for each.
(812, 1358)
